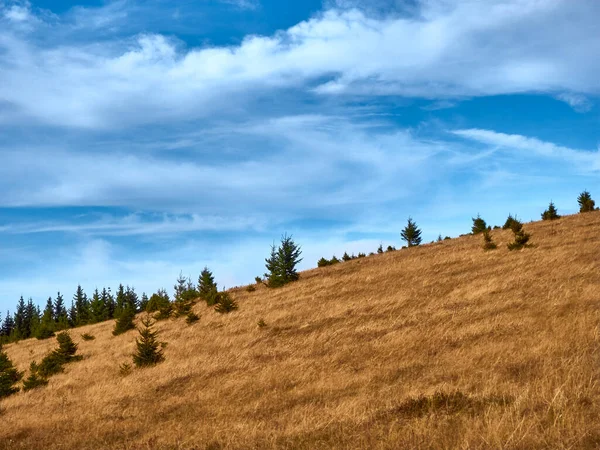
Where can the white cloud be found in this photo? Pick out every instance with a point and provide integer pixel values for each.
(450, 49)
(578, 102)
(585, 161)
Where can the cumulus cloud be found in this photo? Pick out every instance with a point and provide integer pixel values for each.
(450, 49)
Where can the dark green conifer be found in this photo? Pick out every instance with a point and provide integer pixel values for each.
(47, 323)
(488, 243)
(149, 350)
(510, 220)
(586, 204)
(226, 303)
(551, 213)
(479, 225)
(521, 238)
(82, 306)
(411, 233)
(9, 375)
(34, 380)
(124, 322)
(98, 311)
(282, 262)
(346, 257)
(61, 317)
(380, 249)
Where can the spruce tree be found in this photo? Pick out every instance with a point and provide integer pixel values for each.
(61, 317)
(346, 257)
(551, 213)
(207, 288)
(148, 351)
(143, 301)
(521, 238)
(97, 308)
(380, 249)
(34, 380)
(131, 298)
(73, 315)
(586, 204)
(488, 243)
(226, 303)
(47, 324)
(109, 301)
(82, 306)
(9, 375)
(120, 301)
(510, 220)
(479, 225)
(411, 233)
(185, 296)
(124, 321)
(21, 328)
(8, 326)
(282, 262)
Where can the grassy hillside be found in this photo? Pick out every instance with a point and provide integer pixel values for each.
(442, 346)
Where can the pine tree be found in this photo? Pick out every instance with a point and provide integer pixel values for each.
(143, 301)
(120, 301)
(282, 262)
(109, 301)
(131, 298)
(346, 257)
(323, 262)
(479, 225)
(34, 380)
(148, 351)
(61, 317)
(47, 324)
(380, 249)
(521, 238)
(226, 303)
(488, 243)
(411, 233)
(82, 306)
(510, 221)
(97, 308)
(73, 315)
(586, 204)
(124, 321)
(8, 326)
(551, 213)
(9, 376)
(207, 288)
(185, 296)
(20, 331)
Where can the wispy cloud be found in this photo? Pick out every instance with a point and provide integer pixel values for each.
(585, 161)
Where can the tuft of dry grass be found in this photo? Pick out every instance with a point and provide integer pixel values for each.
(441, 346)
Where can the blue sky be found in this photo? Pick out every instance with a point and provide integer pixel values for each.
(142, 139)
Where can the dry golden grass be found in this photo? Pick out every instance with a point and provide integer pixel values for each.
(442, 346)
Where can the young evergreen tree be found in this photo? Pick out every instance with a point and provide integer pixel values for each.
(521, 238)
(34, 380)
(282, 262)
(586, 204)
(488, 242)
(479, 225)
(149, 350)
(61, 317)
(346, 257)
(226, 304)
(411, 233)
(551, 213)
(124, 321)
(9, 375)
(380, 249)
(333, 260)
(185, 296)
(207, 288)
(47, 324)
(510, 221)
(323, 262)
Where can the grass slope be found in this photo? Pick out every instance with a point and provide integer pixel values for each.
(442, 346)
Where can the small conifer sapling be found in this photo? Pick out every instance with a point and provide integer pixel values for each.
(586, 204)
(551, 213)
(411, 233)
(148, 348)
